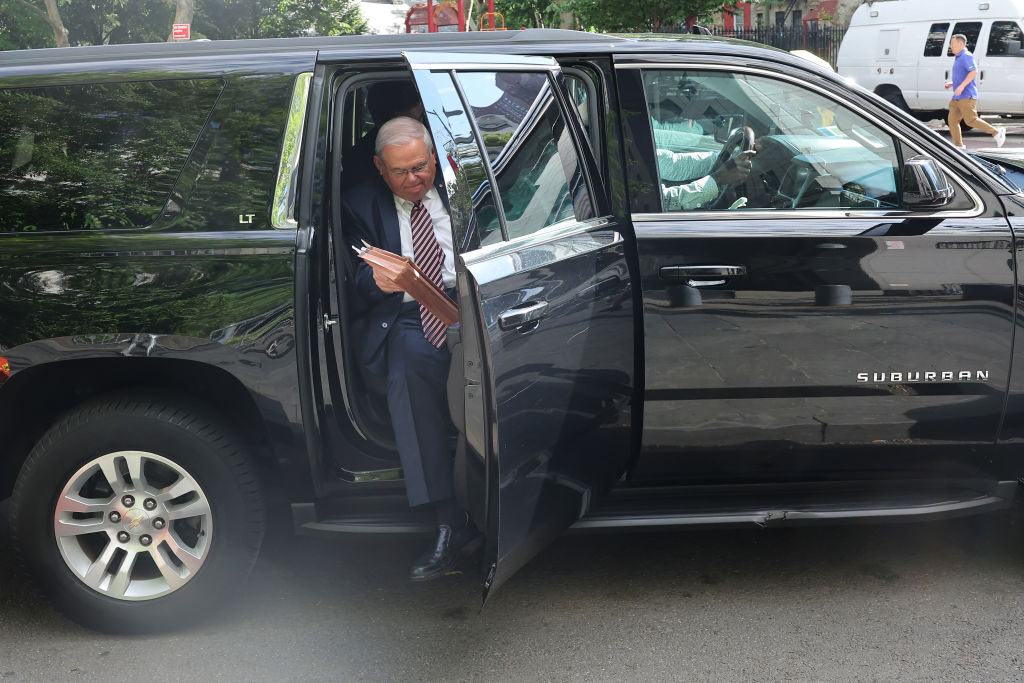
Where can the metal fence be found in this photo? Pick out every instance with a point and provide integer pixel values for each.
(821, 40)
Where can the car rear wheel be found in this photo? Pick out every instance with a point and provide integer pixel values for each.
(137, 515)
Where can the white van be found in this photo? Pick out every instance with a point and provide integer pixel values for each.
(900, 50)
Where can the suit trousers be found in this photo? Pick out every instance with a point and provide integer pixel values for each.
(417, 399)
(966, 110)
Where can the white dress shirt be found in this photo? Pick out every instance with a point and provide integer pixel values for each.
(683, 165)
(442, 231)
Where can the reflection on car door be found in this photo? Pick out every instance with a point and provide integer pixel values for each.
(546, 304)
(823, 331)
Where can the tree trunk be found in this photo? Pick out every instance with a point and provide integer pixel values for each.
(53, 17)
(183, 11)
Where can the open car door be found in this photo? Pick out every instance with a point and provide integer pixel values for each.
(544, 379)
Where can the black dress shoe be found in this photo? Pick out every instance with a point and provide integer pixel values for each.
(442, 555)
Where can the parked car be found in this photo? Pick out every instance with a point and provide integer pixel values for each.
(832, 339)
(900, 51)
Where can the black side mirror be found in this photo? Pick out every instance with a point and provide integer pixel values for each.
(925, 186)
(700, 30)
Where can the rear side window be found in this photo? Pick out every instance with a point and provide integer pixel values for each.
(95, 156)
(936, 39)
(1004, 33)
(971, 29)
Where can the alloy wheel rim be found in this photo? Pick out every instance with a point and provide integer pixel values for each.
(133, 525)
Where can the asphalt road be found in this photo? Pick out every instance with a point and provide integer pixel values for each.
(903, 602)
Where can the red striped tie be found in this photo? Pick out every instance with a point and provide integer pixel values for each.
(428, 257)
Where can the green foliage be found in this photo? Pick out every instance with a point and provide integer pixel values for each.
(624, 16)
(95, 156)
(227, 19)
(23, 29)
(529, 14)
(102, 22)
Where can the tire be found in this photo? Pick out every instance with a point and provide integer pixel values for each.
(895, 98)
(137, 515)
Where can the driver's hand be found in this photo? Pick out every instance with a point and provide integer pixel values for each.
(736, 170)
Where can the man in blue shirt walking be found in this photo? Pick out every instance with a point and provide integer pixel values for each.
(964, 105)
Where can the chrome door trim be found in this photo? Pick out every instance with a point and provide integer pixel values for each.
(552, 233)
(447, 61)
(282, 210)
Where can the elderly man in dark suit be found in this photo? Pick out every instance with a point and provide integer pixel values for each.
(402, 211)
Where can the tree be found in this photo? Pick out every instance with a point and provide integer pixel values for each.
(530, 14)
(183, 11)
(227, 19)
(22, 27)
(639, 15)
(51, 15)
(41, 23)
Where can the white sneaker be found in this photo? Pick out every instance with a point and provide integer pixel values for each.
(962, 147)
(1000, 136)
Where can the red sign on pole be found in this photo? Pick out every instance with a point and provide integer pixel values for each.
(180, 31)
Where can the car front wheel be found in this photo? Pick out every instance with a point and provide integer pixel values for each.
(135, 515)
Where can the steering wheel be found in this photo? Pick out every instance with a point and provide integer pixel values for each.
(741, 140)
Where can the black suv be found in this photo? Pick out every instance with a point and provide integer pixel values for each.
(830, 338)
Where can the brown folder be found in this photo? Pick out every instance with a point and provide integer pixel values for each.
(404, 273)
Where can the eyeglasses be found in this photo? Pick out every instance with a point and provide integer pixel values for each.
(403, 172)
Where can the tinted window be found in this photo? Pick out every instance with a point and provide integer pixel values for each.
(474, 216)
(971, 29)
(1002, 33)
(813, 153)
(531, 151)
(936, 39)
(101, 155)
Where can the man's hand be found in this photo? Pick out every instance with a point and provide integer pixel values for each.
(947, 85)
(735, 170)
(384, 283)
(959, 90)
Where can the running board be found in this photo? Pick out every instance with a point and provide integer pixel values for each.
(1000, 496)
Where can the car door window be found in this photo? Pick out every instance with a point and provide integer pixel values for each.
(531, 151)
(466, 161)
(1004, 33)
(811, 152)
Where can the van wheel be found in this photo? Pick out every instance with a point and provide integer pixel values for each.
(895, 98)
(137, 515)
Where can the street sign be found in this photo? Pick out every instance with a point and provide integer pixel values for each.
(180, 31)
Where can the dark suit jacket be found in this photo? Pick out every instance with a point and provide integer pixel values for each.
(369, 213)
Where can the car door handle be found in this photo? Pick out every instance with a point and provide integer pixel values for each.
(517, 316)
(703, 272)
(701, 276)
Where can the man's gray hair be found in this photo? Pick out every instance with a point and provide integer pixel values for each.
(959, 36)
(400, 130)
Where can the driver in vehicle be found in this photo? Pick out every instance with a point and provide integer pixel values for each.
(685, 165)
(701, 172)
